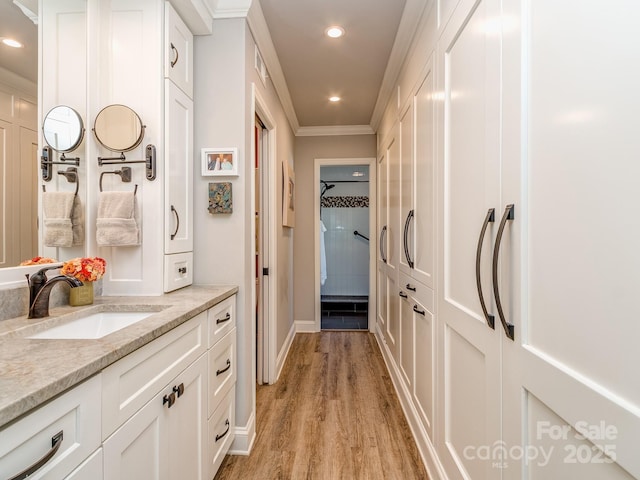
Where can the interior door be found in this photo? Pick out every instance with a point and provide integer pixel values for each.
(470, 379)
(573, 150)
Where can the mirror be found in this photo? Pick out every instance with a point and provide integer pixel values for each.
(118, 128)
(63, 129)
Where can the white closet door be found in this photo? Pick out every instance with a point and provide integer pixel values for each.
(470, 376)
(570, 83)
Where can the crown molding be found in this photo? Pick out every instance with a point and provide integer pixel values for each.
(330, 130)
(411, 18)
(229, 8)
(262, 36)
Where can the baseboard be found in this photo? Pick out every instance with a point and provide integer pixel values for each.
(306, 326)
(244, 437)
(423, 442)
(284, 352)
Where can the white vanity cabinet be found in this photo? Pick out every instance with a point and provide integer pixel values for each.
(66, 429)
(155, 400)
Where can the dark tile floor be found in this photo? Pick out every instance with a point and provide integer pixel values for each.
(344, 313)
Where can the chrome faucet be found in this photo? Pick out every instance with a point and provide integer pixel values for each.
(40, 288)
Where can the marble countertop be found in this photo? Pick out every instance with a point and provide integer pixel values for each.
(33, 371)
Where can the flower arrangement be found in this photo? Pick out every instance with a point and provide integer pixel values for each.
(37, 261)
(88, 269)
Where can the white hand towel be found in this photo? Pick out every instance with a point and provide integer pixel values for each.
(57, 208)
(77, 222)
(323, 255)
(116, 225)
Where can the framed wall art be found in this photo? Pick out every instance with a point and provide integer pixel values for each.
(288, 195)
(219, 162)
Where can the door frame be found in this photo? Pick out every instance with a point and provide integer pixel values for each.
(371, 162)
(269, 288)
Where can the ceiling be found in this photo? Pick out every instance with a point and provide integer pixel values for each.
(316, 67)
(14, 24)
(305, 66)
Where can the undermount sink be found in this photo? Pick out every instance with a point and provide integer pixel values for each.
(93, 326)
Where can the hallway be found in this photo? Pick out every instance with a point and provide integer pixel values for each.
(333, 414)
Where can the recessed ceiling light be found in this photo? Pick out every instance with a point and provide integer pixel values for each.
(334, 31)
(10, 42)
(357, 174)
(334, 99)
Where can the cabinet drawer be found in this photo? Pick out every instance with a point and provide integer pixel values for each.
(221, 431)
(76, 414)
(178, 271)
(418, 291)
(222, 369)
(221, 319)
(132, 381)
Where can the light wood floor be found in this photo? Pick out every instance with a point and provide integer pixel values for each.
(333, 414)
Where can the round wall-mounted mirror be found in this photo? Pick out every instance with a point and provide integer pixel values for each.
(63, 129)
(118, 128)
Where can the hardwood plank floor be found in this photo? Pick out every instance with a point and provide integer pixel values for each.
(333, 414)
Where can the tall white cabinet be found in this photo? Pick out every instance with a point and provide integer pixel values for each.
(138, 54)
(522, 366)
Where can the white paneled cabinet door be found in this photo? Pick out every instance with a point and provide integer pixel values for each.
(469, 377)
(178, 62)
(407, 168)
(140, 448)
(188, 423)
(178, 170)
(382, 232)
(571, 373)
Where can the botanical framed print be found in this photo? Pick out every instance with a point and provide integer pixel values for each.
(220, 198)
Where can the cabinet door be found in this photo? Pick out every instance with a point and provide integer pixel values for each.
(91, 468)
(407, 165)
(406, 362)
(178, 56)
(470, 377)
(421, 232)
(188, 423)
(139, 450)
(178, 170)
(572, 368)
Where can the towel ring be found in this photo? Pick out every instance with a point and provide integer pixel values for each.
(125, 175)
(71, 174)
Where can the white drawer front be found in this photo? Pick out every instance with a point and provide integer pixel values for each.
(221, 431)
(221, 319)
(178, 271)
(76, 414)
(134, 380)
(222, 369)
(91, 468)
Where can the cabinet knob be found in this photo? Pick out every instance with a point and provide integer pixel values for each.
(170, 399)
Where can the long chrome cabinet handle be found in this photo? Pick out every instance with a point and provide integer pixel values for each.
(490, 217)
(383, 236)
(56, 441)
(407, 254)
(507, 215)
(175, 212)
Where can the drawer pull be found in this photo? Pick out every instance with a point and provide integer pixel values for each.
(220, 372)
(56, 441)
(170, 399)
(410, 287)
(218, 437)
(403, 295)
(175, 59)
(419, 312)
(179, 390)
(225, 319)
